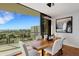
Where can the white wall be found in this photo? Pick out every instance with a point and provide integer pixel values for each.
(72, 39)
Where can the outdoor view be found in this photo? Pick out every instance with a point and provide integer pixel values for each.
(15, 27)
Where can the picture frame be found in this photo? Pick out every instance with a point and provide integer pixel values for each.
(64, 25)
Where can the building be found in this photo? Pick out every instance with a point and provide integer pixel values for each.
(35, 31)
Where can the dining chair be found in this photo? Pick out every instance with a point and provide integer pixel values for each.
(25, 51)
(57, 47)
(45, 37)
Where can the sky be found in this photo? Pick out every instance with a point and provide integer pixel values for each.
(9, 20)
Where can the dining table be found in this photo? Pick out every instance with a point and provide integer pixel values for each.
(42, 44)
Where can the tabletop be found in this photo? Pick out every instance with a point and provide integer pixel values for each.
(41, 44)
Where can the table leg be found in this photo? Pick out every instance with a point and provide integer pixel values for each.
(42, 52)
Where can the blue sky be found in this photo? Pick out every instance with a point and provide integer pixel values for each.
(10, 20)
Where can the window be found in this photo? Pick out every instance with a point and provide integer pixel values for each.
(16, 26)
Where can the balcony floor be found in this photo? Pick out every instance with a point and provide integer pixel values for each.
(11, 49)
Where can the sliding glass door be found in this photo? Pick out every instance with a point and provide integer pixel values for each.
(45, 24)
(17, 26)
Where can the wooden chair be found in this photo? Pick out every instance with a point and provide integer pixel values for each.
(25, 51)
(57, 46)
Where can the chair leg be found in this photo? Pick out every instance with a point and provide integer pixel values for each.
(40, 52)
(46, 54)
(61, 52)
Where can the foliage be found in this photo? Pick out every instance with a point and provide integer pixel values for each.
(15, 35)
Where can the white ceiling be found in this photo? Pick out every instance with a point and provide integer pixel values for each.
(56, 10)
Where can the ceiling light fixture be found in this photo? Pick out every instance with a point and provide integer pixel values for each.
(50, 4)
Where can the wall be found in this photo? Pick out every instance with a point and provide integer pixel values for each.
(72, 39)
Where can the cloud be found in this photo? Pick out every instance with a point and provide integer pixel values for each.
(5, 17)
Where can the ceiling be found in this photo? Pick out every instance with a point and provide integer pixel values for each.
(56, 10)
(18, 8)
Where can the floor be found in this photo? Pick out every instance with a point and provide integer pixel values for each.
(11, 49)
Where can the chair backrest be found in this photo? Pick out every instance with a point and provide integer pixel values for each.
(45, 37)
(23, 48)
(57, 45)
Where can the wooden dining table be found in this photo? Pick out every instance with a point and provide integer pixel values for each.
(42, 44)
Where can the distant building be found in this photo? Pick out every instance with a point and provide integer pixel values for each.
(35, 31)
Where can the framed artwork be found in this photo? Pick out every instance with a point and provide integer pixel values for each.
(64, 25)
